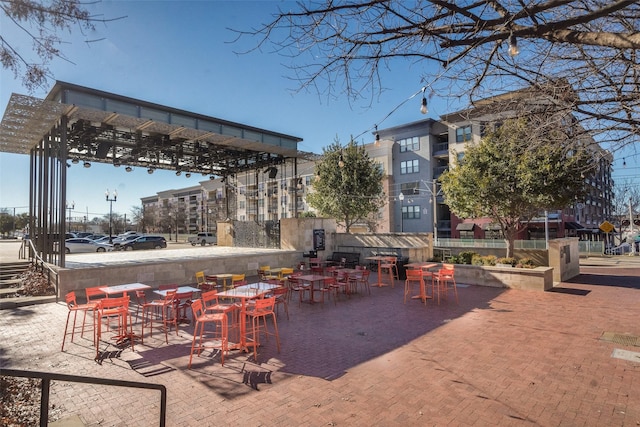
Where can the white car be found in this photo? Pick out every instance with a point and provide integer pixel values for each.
(76, 245)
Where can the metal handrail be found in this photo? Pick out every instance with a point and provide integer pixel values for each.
(47, 377)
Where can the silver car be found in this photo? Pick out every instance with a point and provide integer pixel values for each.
(72, 246)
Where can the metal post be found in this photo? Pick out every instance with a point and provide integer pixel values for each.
(111, 197)
(631, 235)
(434, 193)
(546, 230)
(401, 198)
(70, 207)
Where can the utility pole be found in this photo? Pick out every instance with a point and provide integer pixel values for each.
(631, 235)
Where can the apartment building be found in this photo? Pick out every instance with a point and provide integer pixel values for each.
(412, 156)
(583, 217)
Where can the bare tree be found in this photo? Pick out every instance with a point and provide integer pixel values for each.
(41, 21)
(474, 48)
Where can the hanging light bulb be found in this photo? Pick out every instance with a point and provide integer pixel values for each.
(87, 165)
(341, 161)
(377, 143)
(423, 106)
(513, 45)
(188, 175)
(128, 169)
(624, 162)
(178, 173)
(150, 171)
(75, 161)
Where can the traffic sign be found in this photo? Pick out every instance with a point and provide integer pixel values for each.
(606, 226)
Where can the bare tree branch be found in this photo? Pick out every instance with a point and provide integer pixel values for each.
(591, 46)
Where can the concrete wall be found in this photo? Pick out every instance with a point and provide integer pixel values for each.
(179, 271)
(297, 234)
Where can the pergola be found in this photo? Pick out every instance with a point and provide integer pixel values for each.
(78, 124)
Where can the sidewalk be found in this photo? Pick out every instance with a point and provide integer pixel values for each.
(501, 357)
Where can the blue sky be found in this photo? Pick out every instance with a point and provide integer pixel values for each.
(179, 54)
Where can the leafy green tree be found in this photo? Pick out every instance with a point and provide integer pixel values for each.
(511, 182)
(6, 221)
(348, 185)
(22, 220)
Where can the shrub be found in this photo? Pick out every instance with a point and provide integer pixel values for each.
(489, 260)
(525, 263)
(466, 257)
(506, 260)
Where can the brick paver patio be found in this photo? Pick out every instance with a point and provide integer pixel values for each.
(500, 357)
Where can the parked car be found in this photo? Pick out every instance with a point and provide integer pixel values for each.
(203, 239)
(144, 242)
(117, 241)
(81, 244)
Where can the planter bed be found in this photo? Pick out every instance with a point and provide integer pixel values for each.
(538, 279)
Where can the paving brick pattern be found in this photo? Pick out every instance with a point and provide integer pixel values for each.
(500, 357)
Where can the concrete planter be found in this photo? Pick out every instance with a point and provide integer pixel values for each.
(538, 279)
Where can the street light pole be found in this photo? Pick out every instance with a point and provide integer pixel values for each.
(70, 207)
(434, 193)
(111, 197)
(401, 198)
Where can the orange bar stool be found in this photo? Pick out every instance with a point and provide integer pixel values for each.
(262, 309)
(74, 308)
(163, 308)
(212, 304)
(414, 277)
(118, 308)
(389, 265)
(202, 318)
(445, 281)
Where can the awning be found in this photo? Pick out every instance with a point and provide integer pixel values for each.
(570, 225)
(465, 226)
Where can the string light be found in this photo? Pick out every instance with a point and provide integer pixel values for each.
(423, 107)
(513, 45)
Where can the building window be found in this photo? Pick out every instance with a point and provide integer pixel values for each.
(411, 212)
(409, 144)
(241, 204)
(409, 166)
(463, 133)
